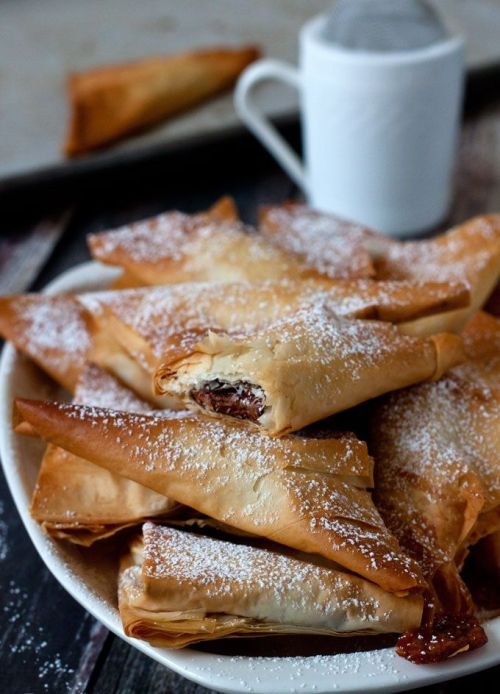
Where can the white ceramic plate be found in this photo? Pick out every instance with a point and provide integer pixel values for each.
(373, 671)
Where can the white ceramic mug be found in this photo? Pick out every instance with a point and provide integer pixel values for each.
(379, 129)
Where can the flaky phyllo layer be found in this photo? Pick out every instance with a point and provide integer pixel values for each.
(437, 460)
(302, 369)
(310, 494)
(178, 588)
(81, 502)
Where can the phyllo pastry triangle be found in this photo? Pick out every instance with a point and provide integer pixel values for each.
(177, 247)
(82, 502)
(309, 494)
(177, 588)
(301, 369)
(134, 329)
(108, 103)
(319, 238)
(436, 448)
(469, 253)
(50, 330)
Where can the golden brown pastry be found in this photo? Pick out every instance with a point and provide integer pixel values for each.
(309, 494)
(144, 249)
(126, 280)
(109, 103)
(50, 330)
(469, 253)
(176, 247)
(82, 502)
(436, 448)
(177, 588)
(301, 369)
(134, 329)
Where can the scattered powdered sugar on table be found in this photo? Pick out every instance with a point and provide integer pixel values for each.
(4, 547)
(33, 647)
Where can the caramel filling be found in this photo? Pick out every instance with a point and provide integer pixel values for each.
(240, 399)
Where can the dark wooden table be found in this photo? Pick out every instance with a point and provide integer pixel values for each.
(48, 643)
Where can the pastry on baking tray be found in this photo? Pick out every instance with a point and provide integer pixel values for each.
(50, 330)
(177, 588)
(436, 448)
(134, 329)
(310, 494)
(177, 247)
(109, 103)
(301, 369)
(469, 253)
(82, 502)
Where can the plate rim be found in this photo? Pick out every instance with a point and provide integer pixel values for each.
(233, 674)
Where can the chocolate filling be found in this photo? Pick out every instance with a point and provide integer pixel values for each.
(240, 399)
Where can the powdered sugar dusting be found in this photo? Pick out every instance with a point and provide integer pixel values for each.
(143, 241)
(440, 441)
(258, 583)
(52, 331)
(335, 247)
(350, 347)
(4, 547)
(201, 247)
(97, 387)
(236, 474)
(461, 255)
(175, 317)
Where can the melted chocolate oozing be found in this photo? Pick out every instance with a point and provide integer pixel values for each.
(241, 399)
(448, 636)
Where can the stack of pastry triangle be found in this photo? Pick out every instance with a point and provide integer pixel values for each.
(438, 474)
(260, 335)
(214, 246)
(137, 331)
(310, 494)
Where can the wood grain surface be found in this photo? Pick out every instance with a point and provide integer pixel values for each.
(48, 643)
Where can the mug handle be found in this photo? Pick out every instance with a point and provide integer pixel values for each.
(261, 126)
